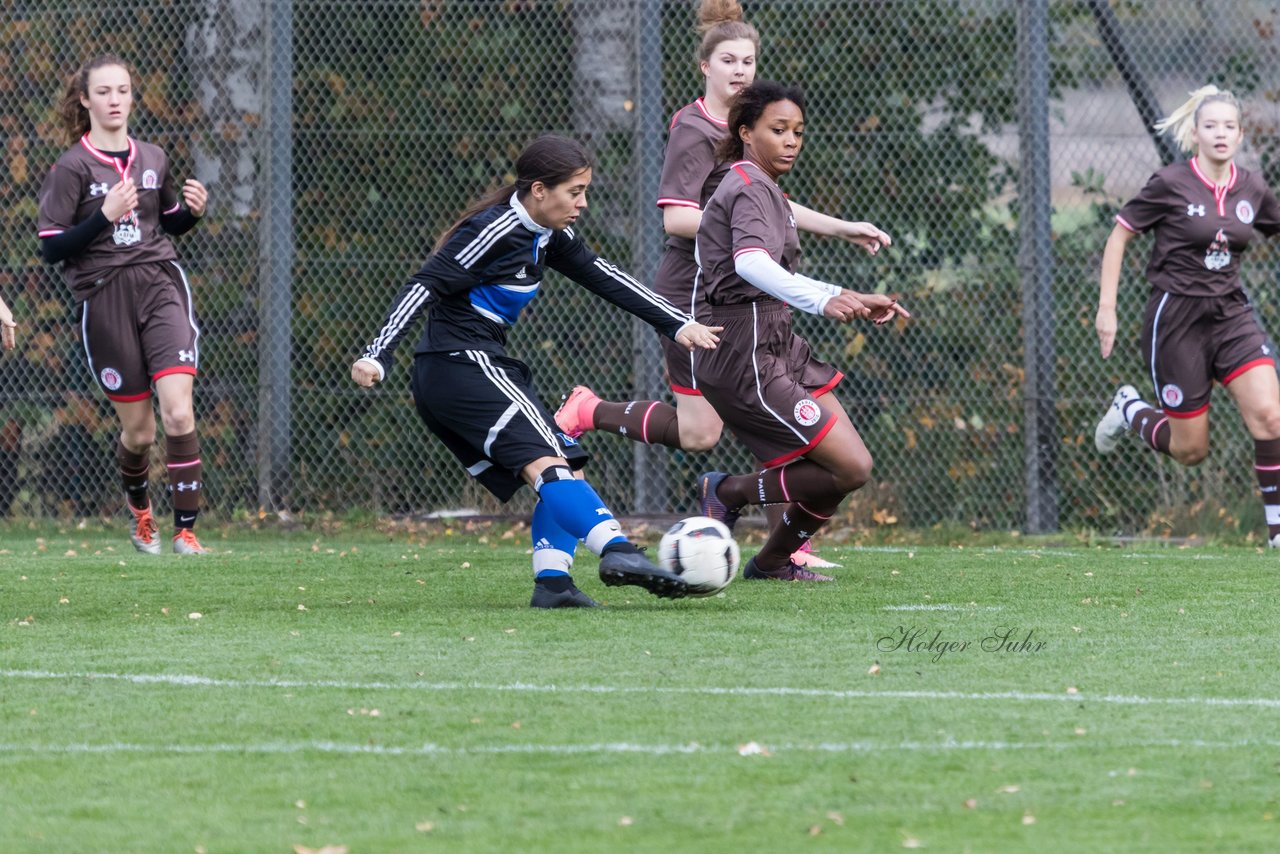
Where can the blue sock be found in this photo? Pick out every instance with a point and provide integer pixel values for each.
(576, 508)
(553, 546)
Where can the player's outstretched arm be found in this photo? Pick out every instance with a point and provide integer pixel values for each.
(1109, 286)
(864, 234)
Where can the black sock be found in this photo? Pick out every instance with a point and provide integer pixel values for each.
(555, 583)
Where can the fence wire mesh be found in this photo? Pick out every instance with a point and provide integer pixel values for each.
(337, 138)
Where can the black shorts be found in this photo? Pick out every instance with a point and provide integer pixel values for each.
(483, 407)
(762, 380)
(1188, 342)
(138, 327)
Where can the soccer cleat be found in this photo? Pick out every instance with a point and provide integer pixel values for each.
(1113, 424)
(709, 502)
(790, 572)
(1274, 542)
(571, 597)
(574, 415)
(145, 536)
(620, 567)
(185, 543)
(806, 556)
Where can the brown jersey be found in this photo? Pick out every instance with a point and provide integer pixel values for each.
(74, 190)
(690, 170)
(1201, 229)
(747, 213)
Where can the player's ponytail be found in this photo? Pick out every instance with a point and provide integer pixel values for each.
(549, 159)
(74, 115)
(746, 109)
(1181, 123)
(722, 21)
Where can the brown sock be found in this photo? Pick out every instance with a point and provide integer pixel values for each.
(135, 470)
(1151, 424)
(182, 456)
(648, 421)
(799, 523)
(798, 481)
(1266, 455)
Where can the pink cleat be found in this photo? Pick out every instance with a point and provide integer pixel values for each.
(806, 556)
(574, 415)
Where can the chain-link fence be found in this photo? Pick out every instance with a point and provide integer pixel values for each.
(338, 137)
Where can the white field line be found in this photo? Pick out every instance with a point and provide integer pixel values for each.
(186, 680)
(948, 745)
(940, 607)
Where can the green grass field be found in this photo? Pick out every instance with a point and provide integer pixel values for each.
(392, 692)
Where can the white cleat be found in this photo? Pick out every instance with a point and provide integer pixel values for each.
(1113, 424)
(1274, 542)
(185, 543)
(145, 536)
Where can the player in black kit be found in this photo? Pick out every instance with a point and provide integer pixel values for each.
(481, 402)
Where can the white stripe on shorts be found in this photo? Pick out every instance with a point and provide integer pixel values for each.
(513, 393)
(755, 366)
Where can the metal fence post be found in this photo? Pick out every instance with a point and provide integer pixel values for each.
(648, 461)
(1035, 265)
(275, 263)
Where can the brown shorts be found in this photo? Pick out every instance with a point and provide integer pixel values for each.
(763, 380)
(675, 280)
(138, 327)
(1188, 342)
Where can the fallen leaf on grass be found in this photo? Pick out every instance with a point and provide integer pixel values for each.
(424, 826)
(971, 804)
(194, 615)
(814, 830)
(836, 818)
(1028, 819)
(912, 842)
(325, 849)
(1007, 790)
(626, 821)
(874, 670)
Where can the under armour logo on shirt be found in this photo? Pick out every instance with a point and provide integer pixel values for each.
(186, 356)
(98, 189)
(1195, 210)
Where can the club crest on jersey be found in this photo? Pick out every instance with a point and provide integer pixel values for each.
(111, 379)
(567, 440)
(149, 180)
(1218, 254)
(96, 190)
(1244, 211)
(128, 231)
(807, 412)
(1195, 210)
(1171, 395)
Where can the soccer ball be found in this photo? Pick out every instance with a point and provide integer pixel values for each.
(702, 552)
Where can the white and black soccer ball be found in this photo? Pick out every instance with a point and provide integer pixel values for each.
(702, 552)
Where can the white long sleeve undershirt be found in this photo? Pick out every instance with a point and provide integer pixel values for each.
(808, 295)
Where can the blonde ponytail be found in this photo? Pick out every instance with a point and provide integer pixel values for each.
(1181, 123)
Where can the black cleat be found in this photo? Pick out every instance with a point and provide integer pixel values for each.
(570, 597)
(619, 567)
(791, 572)
(709, 502)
